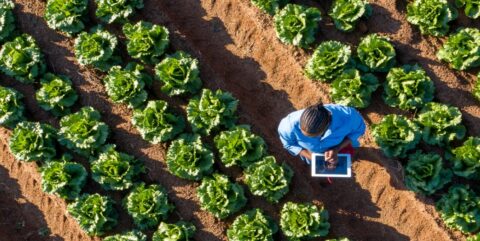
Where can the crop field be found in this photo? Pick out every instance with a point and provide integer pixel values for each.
(139, 120)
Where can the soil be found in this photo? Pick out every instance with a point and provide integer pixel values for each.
(239, 52)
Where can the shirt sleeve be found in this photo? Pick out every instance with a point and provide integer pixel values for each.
(358, 128)
(287, 138)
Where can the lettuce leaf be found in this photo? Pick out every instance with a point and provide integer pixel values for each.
(475, 91)
(460, 209)
(127, 236)
(111, 11)
(472, 7)
(376, 54)
(7, 19)
(346, 13)
(63, 178)
(56, 94)
(466, 159)
(180, 231)
(303, 221)
(270, 6)
(297, 24)
(252, 225)
(11, 107)
(179, 74)
(146, 41)
(354, 89)
(32, 141)
(220, 197)
(474, 237)
(462, 49)
(425, 173)
(66, 15)
(328, 61)
(431, 16)
(98, 49)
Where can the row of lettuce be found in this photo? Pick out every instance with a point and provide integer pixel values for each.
(406, 87)
(84, 134)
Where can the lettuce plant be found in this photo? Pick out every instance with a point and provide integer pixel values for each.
(11, 107)
(270, 6)
(97, 48)
(179, 74)
(156, 123)
(460, 209)
(297, 24)
(189, 158)
(475, 91)
(22, 59)
(212, 110)
(63, 178)
(441, 124)
(115, 170)
(408, 87)
(66, 15)
(146, 41)
(472, 7)
(425, 173)
(268, 179)
(462, 49)
(303, 221)
(396, 135)
(32, 141)
(239, 146)
(375, 53)
(111, 11)
(466, 159)
(220, 197)
(83, 132)
(126, 85)
(56, 94)
(148, 205)
(346, 13)
(7, 19)
(94, 213)
(252, 225)
(353, 88)
(127, 236)
(431, 16)
(328, 61)
(180, 231)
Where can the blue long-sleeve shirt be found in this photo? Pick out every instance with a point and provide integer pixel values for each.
(346, 122)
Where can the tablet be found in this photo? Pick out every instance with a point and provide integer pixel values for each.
(343, 169)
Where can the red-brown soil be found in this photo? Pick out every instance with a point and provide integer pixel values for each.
(239, 52)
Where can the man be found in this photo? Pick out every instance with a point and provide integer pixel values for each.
(328, 129)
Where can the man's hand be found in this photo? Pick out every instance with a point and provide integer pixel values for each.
(331, 158)
(306, 153)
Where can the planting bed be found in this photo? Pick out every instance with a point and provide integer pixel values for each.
(239, 52)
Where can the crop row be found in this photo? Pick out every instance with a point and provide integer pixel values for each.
(354, 78)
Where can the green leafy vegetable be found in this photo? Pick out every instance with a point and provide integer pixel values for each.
(111, 11)
(474, 238)
(328, 61)
(297, 25)
(56, 94)
(476, 88)
(179, 74)
(94, 213)
(66, 15)
(156, 123)
(353, 88)
(268, 179)
(126, 85)
(253, 225)
(346, 13)
(396, 135)
(303, 221)
(425, 173)
(460, 209)
(472, 7)
(97, 49)
(376, 54)
(240, 146)
(127, 236)
(180, 231)
(212, 110)
(441, 124)
(83, 132)
(220, 196)
(462, 49)
(115, 170)
(22, 59)
(148, 205)
(32, 141)
(64, 178)
(431, 16)
(270, 6)
(11, 107)
(188, 158)
(146, 41)
(408, 87)
(466, 159)
(7, 20)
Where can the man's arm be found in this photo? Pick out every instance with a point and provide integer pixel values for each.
(331, 156)
(286, 137)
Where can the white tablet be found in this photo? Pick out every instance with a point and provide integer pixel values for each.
(343, 169)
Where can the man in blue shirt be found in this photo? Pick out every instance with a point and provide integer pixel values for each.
(328, 129)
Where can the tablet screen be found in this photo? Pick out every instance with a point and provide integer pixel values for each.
(343, 169)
